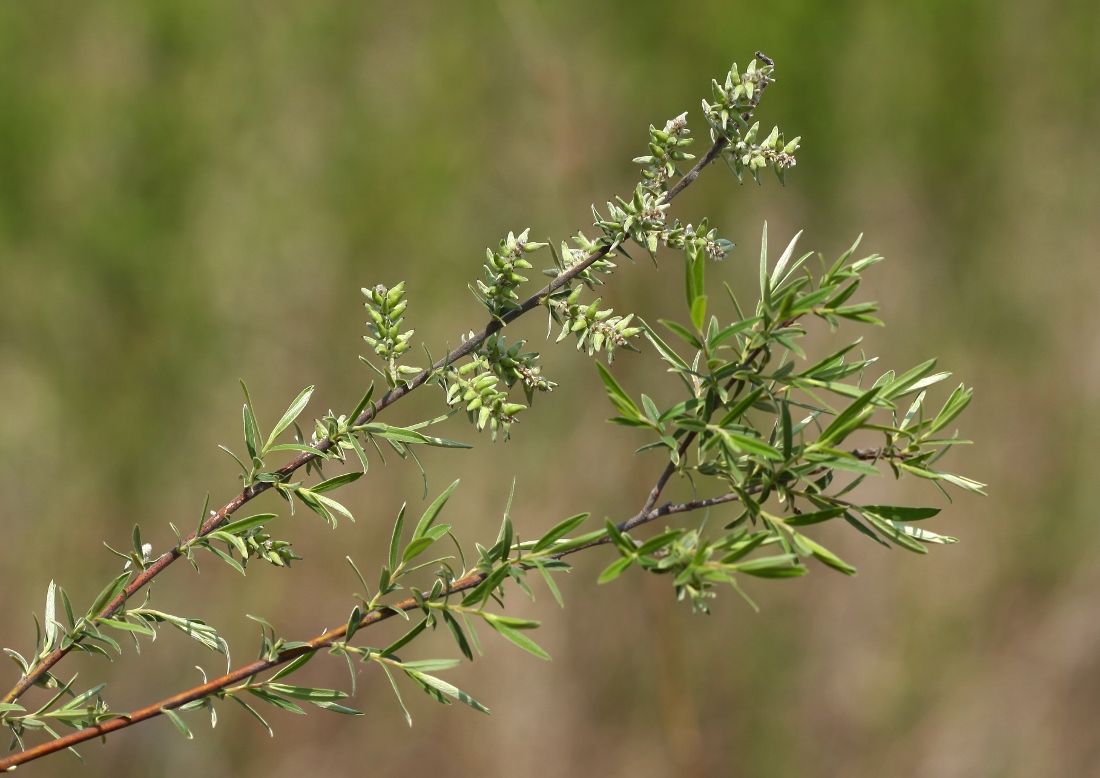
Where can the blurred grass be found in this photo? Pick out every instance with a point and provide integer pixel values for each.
(192, 192)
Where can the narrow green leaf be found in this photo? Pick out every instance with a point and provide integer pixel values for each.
(362, 406)
(779, 566)
(432, 512)
(579, 541)
(110, 591)
(398, 434)
(336, 483)
(449, 690)
(848, 419)
(291, 414)
(225, 558)
(395, 538)
(699, 310)
(82, 698)
(728, 332)
(458, 634)
(307, 693)
(300, 447)
(397, 693)
(894, 532)
(559, 531)
(416, 548)
(750, 445)
(806, 519)
(619, 398)
(331, 504)
(50, 613)
(784, 258)
(175, 717)
(250, 434)
(615, 569)
(431, 665)
(293, 666)
(899, 513)
(254, 713)
(764, 290)
(683, 333)
(337, 708)
(788, 428)
(515, 622)
(236, 458)
(520, 639)
(741, 407)
(955, 405)
(659, 541)
(405, 639)
(827, 557)
(481, 592)
(243, 525)
(141, 629)
(276, 700)
(667, 353)
(68, 608)
(553, 587)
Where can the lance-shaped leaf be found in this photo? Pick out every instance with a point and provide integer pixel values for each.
(292, 413)
(559, 531)
(778, 276)
(619, 398)
(432, 512)
(849, 419)
(175, 718)
(395, 538)
(336, 482)
(110, 591)
(900, 513)
(506, 629)
(50, 620)
(666, 352)
(955, 405)
(243, 525)
(432, 684)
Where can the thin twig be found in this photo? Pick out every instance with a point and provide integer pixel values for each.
(328, 639)
(672, 467)
(316, 644)
(43, 665)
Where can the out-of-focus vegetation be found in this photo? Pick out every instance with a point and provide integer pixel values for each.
(195, 192)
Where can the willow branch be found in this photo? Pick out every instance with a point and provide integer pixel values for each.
(221, 517)
(326, 640)
(672, 467)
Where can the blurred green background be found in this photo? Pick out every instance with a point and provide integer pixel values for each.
(193, 192)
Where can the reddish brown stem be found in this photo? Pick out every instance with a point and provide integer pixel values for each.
(334, 636)
(46, 663)
(320, 642)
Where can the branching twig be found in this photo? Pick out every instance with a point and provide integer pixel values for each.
(713, 432)
(221, 517)
(672, 467)
(316, 644)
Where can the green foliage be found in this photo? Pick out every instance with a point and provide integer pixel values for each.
(781, 439)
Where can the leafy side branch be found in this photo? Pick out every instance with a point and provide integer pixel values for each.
(759, 426)
(335, 434)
